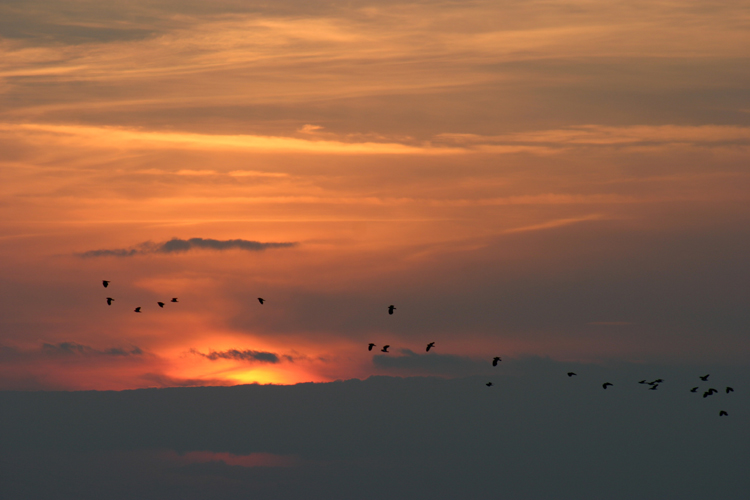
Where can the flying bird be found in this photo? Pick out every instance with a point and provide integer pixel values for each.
(138, 309)
(495, 360)
(261, 300)
(174, 299)
(729, 389)
(430, 346)
(642, 382)
(161, 304)
(653, 387)
(606, 384)
(709, 392)
(110, 300)
(390, 309)
(105, 283)
(370, 346)
(385, 348)
(722, 413)
(694, 389)
(704, 377)
(572, 374)
(488, 384)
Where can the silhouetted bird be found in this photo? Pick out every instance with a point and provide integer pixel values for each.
(495, 360)
(653, 387)
(105, 283)
(138, 309)
(161, 304)
(370, 346)
(722, 413)
(110, 300)
(261, 300)
(694, 389)
(729, 389)
(174, 299)
(704, 377)
(606, 384)
(709, 392)
(488, 384)
(652, 382)
(572, 374)
(390, 309)
(642, 382)
(385, 348)
(658, 381)
(430, 346)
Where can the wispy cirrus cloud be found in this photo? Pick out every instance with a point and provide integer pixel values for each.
(177, 245)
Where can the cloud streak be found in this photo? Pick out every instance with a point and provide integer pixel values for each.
(177, 245)
(67, 350)
(246, 355)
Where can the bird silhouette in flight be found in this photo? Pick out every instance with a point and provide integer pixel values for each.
(653, 387)
(137, 309)
(694, 389)
(174, 299)
(161, 304)
(105, 283)
(495, 360)
(709, 392)
(261, 300)
(488, 384)
(729, 389)
(572, 374)
(110, 300)
(370, 346)
(704, 377)
(385, 348)
(390, 309)
(430, 346)
(607, 384)
(722, 413)
(642, 382)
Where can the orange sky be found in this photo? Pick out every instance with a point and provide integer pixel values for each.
(566, 179)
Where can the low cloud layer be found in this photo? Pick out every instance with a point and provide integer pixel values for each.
(246, 355)
(432, 438)
(177, 245)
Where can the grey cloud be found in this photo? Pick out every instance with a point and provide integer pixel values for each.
(178, 245)
(247, 355)
(75, 349)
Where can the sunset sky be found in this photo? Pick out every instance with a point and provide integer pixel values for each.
(559, 180)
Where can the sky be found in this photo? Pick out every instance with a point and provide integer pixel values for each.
(549, 180)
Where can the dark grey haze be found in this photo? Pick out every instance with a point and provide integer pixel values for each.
(246, 355)
(535, 434)
(177, 245)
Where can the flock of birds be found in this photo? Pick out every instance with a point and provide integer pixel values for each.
(653, 385)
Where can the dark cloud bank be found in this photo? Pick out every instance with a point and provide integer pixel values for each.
(536, 434)
(177, 245)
